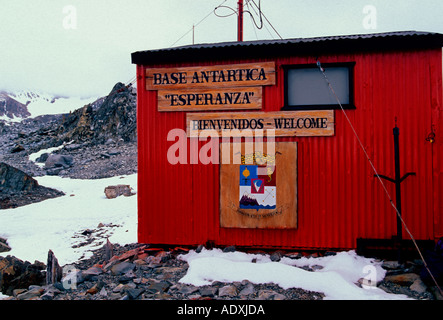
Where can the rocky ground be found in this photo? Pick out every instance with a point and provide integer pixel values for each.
(142, 272)
(95, 141)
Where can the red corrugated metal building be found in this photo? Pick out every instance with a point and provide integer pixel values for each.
(394, 79)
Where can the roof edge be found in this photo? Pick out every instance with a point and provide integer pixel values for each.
(253, 49)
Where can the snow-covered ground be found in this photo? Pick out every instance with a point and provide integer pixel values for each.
(57, 224)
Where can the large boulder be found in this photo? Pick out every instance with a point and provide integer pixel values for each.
(58, 161)
(13, 179)
(18, 188)
(18, 274)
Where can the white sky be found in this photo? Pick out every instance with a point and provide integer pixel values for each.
(39, 52)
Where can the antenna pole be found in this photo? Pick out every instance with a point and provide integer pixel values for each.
(240, 21)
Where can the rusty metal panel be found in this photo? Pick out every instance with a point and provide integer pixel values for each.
(339, 200)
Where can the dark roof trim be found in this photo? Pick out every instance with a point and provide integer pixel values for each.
(285, 47)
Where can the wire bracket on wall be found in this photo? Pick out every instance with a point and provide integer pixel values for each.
(397, 180)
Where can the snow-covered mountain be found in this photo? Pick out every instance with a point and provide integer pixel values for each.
(11, 109)
(16, 106)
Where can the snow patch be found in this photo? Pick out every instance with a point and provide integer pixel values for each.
(55, 223)
(337, 279)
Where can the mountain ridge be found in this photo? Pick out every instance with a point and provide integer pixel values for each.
(25, 104)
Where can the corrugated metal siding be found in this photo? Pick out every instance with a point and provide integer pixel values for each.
(339, 199)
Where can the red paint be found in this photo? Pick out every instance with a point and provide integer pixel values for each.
(339, 200)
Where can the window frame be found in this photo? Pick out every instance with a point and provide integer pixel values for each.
(350, 105)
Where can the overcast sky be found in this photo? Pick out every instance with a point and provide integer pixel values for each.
(83, 47)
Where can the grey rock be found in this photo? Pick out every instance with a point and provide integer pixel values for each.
(122, 268)
(123, 287)
(228, 291)
(247, 290)
(418, 286)
(31, 294)
(276, 256)
(91, 272)
(59, 160)
(158, 286)
(208, 291)
(43, 157)
(134, 293)
(187, 289)
(15, 180)
(229, 249)
(270, 295)
(17, 148)
(4, 246)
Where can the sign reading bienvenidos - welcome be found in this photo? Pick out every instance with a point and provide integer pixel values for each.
(285, 123)
(219, 87)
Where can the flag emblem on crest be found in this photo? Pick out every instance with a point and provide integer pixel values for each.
(257, 187)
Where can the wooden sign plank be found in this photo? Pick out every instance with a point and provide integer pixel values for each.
(210, 99)
(232, 75)
(282, 212)
(285, 123)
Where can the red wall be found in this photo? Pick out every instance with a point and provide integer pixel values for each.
(339, 200)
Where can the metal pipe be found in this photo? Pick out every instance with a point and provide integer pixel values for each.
(240, 21)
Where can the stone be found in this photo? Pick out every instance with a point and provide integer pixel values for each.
(140, 262)
(418, 286)
(4, 245)
(122, 268)
(54, 171)
(270, 295)
(58, 160)
(16, 292)
(48, 295)
(17, 148)
(13, 179)
(115, 296)
(228, 291)
(103, 292)
(294, 255)
(390, 265)
(118, 288)
(54, 272)
(31, 294)
(134, 293)
(229, 249)
(17, 274)
(108, 250)
(92, 272)
(50, 292)
(123, 287)
(43, 157)
(247, 290)
(158, 286)
(95, 288)
(112, 192)
(208, 291)
(402, 279)
(187, 289)
(276, 256)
